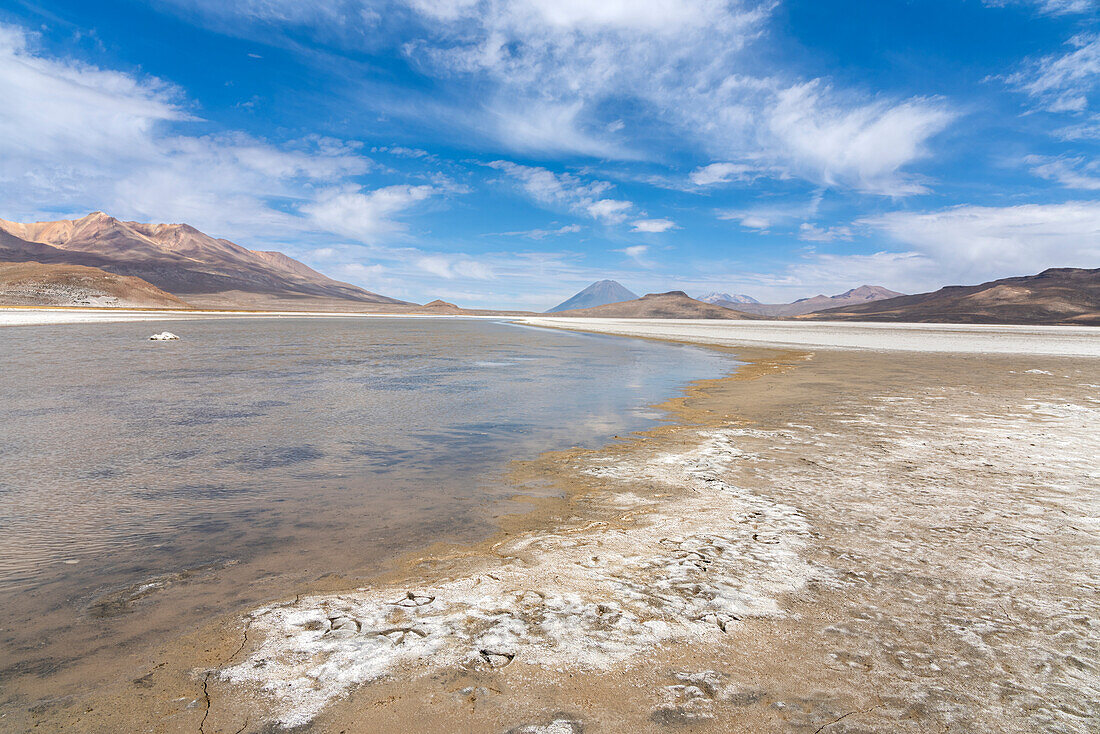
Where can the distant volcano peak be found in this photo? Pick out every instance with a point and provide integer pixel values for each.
(600, 293)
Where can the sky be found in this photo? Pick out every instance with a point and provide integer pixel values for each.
(507, 153)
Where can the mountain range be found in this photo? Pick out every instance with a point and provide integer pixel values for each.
(855, 296)
(671, 305)
(98, 260)
(720, 298)
(179, 259)
(1055, 296)
(606, 292)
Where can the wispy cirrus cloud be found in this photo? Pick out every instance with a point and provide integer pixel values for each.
(863, 147)
(540, 234)
(765, 216)
(1087, 130)
(637, 254)
(810, 232)
(1049, 7)
(1062, 82)
(974, 243)
(83, 137)
(720, 173)
(1070, 172)
(566, 191)
(451, 267)
(557, 77)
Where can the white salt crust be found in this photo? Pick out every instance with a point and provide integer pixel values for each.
(956, 529)
(576, 598)
(1076, 341)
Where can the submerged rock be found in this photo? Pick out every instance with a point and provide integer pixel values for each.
(163, 336)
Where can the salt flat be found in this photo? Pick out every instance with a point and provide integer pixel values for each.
(1067, 341)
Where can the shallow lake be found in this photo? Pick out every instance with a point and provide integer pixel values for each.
(146, 486)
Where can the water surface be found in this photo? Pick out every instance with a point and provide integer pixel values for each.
(147, 485)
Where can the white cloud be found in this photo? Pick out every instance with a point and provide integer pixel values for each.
(551, 127)
(564, 190)
(755, 222)
(554, 76)
(1063, 82)
(547, 187)
(67, 109)
(765, 216)
(1088, 130)
(364, 272)
(451, 267)
(717, 173)
(637, 253)
(1072, 173)
(366, 216)
(323, 252)
(653, 225)
(863, 147)
(974, 243)
(554, 65)
(810, 232)
(907, 272)
(82, 138)
(609, 211)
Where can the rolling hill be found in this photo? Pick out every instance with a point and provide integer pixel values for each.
(35, 284)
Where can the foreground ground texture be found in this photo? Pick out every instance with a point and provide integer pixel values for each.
(826, 541)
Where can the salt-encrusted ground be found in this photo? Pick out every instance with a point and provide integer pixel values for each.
(1082, 341)
(585, 596)
(839, 542)
(917, 555)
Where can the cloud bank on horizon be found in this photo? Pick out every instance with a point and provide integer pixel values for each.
(509, 152)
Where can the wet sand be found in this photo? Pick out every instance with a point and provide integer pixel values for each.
(827, 541)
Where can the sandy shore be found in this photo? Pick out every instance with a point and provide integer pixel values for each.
(833, 540)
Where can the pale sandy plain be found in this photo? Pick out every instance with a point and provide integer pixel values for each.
(1081, 341)
(897, 535)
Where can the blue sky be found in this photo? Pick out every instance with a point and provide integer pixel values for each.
(505, 153)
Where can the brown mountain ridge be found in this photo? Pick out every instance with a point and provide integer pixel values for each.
(179, 259)
(1054, 296)
(671, 305)
(860, 295)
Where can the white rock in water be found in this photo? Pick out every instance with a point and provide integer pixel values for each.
(163, 336)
